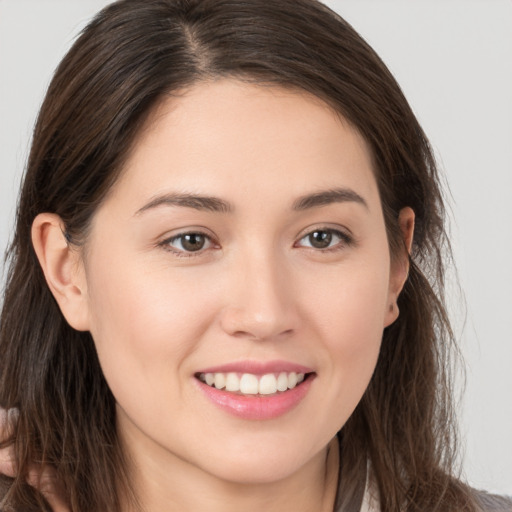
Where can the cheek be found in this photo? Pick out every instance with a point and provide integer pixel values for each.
(144, 323)
(350, 320)
(352, 308)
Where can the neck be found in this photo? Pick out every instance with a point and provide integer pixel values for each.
(176, 485)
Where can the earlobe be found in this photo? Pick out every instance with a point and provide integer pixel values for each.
(400, 263)
(62, 267)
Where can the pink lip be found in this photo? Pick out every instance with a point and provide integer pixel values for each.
(258, 367)
(257, 407)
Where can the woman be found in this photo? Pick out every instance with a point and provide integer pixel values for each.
(229, 246)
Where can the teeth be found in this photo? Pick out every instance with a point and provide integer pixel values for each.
(219, 380)
(268, 384)
(232, 382)
(250, 384)
(282, 382)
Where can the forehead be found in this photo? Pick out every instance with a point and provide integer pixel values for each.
(226, 136)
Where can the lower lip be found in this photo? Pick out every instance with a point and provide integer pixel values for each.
(257, 407)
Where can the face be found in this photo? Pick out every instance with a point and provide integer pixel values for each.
(244, 245)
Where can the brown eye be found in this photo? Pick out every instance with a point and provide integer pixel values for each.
(320, 239)
(193, 242)
(326, 239)
(189, 242)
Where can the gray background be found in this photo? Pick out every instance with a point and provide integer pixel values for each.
(453, 59)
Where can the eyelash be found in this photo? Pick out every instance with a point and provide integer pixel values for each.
(183, 253)
(345, 240)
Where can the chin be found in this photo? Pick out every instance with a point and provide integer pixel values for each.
(245, 473)
(259, 464)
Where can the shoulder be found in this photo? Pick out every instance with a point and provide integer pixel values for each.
(484, 501)
(493, 503)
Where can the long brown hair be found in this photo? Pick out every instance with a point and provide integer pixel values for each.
(126, 60)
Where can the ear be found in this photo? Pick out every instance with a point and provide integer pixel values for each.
(63, 269)
(400, 264)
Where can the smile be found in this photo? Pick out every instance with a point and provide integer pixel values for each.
(251, 384)
(255, 391)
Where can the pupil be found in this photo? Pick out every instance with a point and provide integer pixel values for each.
(320, 239)
(193, 242)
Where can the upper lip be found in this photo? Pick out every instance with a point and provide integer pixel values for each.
(258, 367)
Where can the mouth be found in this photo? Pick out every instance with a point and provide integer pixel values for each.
(253, 396)
(256, 390)
(250, 384)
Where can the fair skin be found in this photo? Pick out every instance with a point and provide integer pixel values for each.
(288, 265)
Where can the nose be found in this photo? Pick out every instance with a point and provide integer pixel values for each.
(261, 301)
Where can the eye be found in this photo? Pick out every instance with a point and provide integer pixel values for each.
(188, 242)
(325, 239)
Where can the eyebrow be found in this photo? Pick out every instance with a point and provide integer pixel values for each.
(197, 202)
(215, 204)
(326, 197)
